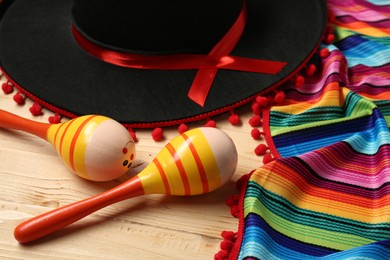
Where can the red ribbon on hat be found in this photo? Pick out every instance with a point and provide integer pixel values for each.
(207, 65)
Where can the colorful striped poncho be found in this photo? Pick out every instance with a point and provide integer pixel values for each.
(327, 195)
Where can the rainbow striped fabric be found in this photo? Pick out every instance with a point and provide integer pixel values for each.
(327, 195)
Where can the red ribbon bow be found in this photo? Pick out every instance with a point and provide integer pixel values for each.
(207, 65)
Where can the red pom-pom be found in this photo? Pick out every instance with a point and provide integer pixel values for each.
(221, 255)
(7, 88)
(157, 134)
(324, 53)
(229, 235)
(234, 119)
(19, 99)
(182, 128)
(255, 121)
(235, 211)
(299, 81)
(210, 123)
(55, 119)
(232, 200)
(256, 134)
(261, 149)
(256, 109)
(36, 109)
(310, 70)
(279, 96)
(268, 158)
(329, 38)
(262, 101)
(226, 245)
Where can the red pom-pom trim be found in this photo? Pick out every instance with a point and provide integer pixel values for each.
(7, 88)
(255, 121)
(256, 134)
(221, 255)
(232, 200)
(36, 110)
(234, 119)
(299, 81)
(55, 119)
(18, 98)
(324, 53)
(261, 149)
(210, 123)
(256, 109)
(268, 158)
(235, 211)
(182, 128)
(262, 101)
(279, 97)
(329, 38)
(226, 245)
(157, 134)
(310, 70)
(229, 235)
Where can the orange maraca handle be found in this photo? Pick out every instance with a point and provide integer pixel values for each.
(56, 219)
(12, 121)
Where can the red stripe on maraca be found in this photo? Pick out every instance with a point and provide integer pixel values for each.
(180, 167)
(163, 176)
(63, 136)
(74, 140)
(199, 164)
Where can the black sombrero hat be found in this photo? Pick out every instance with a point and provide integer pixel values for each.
(150, 63)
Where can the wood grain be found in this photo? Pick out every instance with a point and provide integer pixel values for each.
(33, 180)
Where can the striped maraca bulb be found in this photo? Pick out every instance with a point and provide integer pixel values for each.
(196, 162)
(94, 147)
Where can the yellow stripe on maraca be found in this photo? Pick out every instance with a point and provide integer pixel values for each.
(207, 159)
(188, 165)
(71, 138)
(81, 142)
(152, 179)
(185, 166)
(57, 136)
(168, 173)
(171, 171)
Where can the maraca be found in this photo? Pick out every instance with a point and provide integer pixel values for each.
(94, 147)
(196, 162)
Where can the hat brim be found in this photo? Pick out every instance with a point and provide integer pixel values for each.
(38, 52)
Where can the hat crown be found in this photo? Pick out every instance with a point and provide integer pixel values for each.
(155, 26)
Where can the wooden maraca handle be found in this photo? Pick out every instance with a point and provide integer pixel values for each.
(56, 219)
(12, 121)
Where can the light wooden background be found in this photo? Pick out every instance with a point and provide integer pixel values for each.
(33, 180)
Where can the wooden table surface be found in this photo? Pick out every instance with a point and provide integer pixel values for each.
(34, 180)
